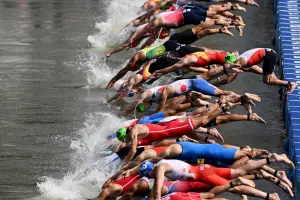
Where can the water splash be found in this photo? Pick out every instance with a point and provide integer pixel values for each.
(85, 180)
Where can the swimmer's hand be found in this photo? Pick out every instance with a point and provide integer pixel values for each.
(156, 74)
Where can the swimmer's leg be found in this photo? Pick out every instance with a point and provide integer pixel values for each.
(256, 164)
(278, 174)
(223, 188)
(264, 175)
(207, 32)
(145, 155)
(250, 191)
(271, 79)
(236, 117)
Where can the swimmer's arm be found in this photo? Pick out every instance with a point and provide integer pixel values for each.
(199, 69)
(159, 179)
(227, 80)
(254, 69)
(164, 99)
(148, 42)
(133, 139)
(119, 75)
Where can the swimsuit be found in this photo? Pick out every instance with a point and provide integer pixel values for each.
(173, 129)
(203, 172)
(211, 153)
(256, 56)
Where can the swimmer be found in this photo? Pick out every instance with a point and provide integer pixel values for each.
(199, 61)
(160, 94)
(195, 153)
(179, 170)
(186, 15)
(190, 36)
(147, 54)
(148, 133)
(250, 59)
(185, 187)
(156, 63)
(130, 44)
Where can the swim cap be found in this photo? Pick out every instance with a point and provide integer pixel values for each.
(230, 57)
(146, 167)
(141, 107)
(121, 134)
(131, 94)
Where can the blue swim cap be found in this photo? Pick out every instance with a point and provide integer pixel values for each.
(146, 167)
(131, 94)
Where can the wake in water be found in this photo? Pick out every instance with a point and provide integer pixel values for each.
(110, 33)
(85, 180)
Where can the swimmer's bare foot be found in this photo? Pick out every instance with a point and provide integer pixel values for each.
(198, 103)
(187, 139)
(281, 175)
(221, 22)
(291, 87)
(229, 105)
(226, 31)
(251, 2)
(250, 96)
(255, 117)
(214, 132)
(238, 7)
(107, 55)
(259, 153)
(247, 106)
(275, 158)
(246, 148)
(240, 29)
(242, 181)
(261, 174)
(274, 196)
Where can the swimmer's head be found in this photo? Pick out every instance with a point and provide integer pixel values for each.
(230, 57)
(146, 167)
(141, 107)
(121, 134)
(131, 93)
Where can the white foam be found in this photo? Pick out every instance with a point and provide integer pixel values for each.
(85, 180)
(109, 33)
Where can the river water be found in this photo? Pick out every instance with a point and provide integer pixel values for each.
(53, 114)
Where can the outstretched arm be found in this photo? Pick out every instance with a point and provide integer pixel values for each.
(159, 179)
(164, 99)
(133, 136)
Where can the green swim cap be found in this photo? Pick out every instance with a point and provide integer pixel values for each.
(230, 57)
(121, 134)
(141, 107)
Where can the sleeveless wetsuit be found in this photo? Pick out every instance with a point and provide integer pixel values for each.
(203, 172)
(184, 37)
(153, 51)
(208, 58)
(211, 153)
(258, 55)
(182, 87)
(126, 183)
(186, 186)
(173, 129)
(201, 85)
